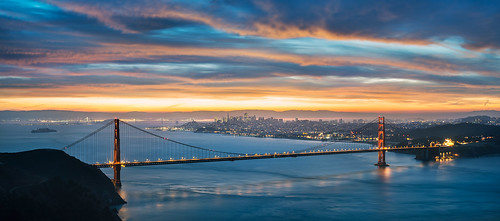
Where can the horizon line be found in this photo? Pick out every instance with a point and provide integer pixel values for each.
(278, 111)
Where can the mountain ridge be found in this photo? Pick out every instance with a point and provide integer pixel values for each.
(200, 115)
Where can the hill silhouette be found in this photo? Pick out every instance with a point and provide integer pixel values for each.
(51, 185)
(457, 130)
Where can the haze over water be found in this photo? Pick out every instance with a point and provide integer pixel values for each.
(308, 188)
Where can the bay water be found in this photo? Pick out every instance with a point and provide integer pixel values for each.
(333, 187)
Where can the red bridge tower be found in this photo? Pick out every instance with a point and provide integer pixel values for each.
(381, 143)
(116, 153)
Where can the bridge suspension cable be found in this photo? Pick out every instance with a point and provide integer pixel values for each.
(391, 125)
(139, 145)
(364, 127)
(89, 135)
(180, 143)
(339, 145)
(96, 147)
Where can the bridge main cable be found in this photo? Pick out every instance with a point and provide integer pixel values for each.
(89, 135)
(317, 147)
(177, 142)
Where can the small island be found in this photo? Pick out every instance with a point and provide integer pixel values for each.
(43, 130)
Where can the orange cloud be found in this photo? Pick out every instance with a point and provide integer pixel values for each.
(185, 97)
(105, 103)
(272, 28)
(280, 90)
(113, 52)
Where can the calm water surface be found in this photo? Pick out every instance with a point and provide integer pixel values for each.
(336, 187)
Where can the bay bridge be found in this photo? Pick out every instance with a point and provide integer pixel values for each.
(126, 145)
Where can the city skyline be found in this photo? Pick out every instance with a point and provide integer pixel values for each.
(352, 56)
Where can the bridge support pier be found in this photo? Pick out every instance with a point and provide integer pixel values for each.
(116, 156)
(381, 159)
(116, 181)
(381, 143)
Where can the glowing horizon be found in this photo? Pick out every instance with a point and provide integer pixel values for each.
(199, 55)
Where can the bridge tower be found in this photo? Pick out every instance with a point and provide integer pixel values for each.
(116, 155)
(381, 143)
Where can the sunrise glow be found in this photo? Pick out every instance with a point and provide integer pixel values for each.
(210, 55)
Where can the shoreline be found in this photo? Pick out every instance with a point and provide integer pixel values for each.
(472, 150)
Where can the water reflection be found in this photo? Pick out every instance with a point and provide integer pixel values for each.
(122, 193)
(384, 174)
(347, 187)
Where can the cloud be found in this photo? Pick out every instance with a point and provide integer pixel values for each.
(412, 22)
(389, 51)
(391, 20)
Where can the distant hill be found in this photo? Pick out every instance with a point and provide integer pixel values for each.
(200, 115)
(457, 130)
(195, 115)
(476, 119)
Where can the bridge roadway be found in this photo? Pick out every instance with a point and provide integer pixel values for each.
(253, 157)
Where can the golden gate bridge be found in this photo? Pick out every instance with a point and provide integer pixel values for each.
(120, 144)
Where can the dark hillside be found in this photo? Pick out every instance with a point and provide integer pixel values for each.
(51, 185)
(457, 130)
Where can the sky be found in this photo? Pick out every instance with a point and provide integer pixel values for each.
(161, 55)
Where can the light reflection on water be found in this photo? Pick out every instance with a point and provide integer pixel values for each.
(384, 173)
(321, 187)
(412, 192)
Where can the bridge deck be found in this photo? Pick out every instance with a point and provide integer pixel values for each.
(251, 157)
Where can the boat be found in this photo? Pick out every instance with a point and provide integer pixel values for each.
(43, 130)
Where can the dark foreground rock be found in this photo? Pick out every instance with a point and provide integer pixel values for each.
(51, 185)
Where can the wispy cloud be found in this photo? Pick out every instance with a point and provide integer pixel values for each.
(283, 54)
